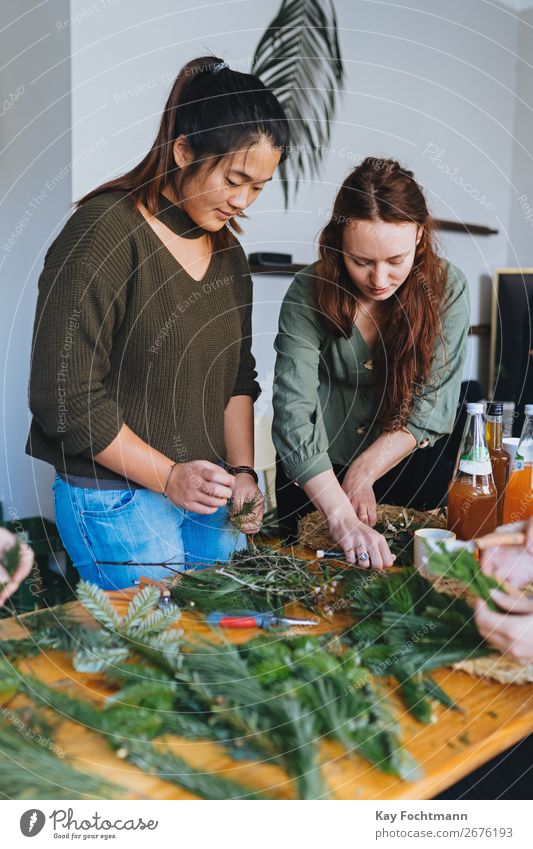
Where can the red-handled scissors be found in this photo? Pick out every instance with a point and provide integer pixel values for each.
(252, 619)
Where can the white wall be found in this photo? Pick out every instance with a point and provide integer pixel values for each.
(521, 243)
(431, 77)
(35, 149)
(431, 87)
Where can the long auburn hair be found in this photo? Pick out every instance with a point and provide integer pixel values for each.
(409, 321)
(220, 111)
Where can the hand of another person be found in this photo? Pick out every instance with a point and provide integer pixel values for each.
(10, 583)
(361, 544)
(512, 563)
(358, 486)
(200, 486)
(511, 632)
(246, 490)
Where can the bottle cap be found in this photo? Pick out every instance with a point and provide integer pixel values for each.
(495, 408)
(528, 410)
(473, 408)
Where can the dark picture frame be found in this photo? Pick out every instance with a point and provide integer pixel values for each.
(511, 342)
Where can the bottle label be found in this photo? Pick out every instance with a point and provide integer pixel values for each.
(519, 463)
(476, 462)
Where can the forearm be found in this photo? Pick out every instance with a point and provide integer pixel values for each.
(384, 454)
(239, 431)
(130, 456)
(326, 493)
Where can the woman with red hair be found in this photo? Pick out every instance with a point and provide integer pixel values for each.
(370, 352)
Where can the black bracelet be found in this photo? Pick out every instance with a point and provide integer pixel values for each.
(171, 469)
(236, 470)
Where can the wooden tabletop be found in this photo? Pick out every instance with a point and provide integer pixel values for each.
(492, 717)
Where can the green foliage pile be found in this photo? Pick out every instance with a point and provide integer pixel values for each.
(274, 698)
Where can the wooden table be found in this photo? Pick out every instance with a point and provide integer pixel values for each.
(493, 717)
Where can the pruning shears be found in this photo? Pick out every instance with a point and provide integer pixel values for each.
(164, 592)
(254, 619)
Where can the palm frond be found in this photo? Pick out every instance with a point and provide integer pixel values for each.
(299, 59)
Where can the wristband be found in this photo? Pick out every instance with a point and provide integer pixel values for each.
(235, 470)
(168, 478)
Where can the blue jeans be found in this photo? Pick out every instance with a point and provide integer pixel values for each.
(118, 525)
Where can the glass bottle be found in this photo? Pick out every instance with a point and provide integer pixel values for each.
(499, 458)
(472, 495)
(518, 502)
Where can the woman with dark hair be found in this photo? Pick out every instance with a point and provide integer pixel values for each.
(142, 378)
(370, 350)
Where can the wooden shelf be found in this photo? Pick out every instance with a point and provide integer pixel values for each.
(479, 330)
(461, 227)
(277, 269)
(475, 329)
(440, 224)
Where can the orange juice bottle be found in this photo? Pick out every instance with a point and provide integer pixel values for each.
(472, 495)
(499, 458)
(518, 502)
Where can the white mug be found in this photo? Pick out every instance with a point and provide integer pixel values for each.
(420, 548)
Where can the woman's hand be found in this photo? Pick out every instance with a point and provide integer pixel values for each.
(200, 486)
(245, 491)
(361, 544)
(512, 563)
(10, 583)
(512, 632)
(358, 486)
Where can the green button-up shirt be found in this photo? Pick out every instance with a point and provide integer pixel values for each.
(325, 396)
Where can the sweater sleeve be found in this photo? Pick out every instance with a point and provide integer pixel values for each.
(434, 410)
(77, 313)
(245, 382)
(298, 430)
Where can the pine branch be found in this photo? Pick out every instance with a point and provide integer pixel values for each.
(31, 769)
(169, 767)
(462, 566)
(18, 648)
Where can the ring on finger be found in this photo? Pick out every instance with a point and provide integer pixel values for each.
(362, 556)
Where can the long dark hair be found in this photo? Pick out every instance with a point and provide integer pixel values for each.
(219, 111)
(409, 321)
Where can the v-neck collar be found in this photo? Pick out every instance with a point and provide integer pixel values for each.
(177, 220)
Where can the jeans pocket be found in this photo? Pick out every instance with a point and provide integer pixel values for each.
(110, 521)
(101, 503)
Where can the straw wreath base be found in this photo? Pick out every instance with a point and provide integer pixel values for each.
(313, 533)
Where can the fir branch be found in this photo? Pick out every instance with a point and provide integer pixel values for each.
(98, 652)
(19, 648)
(462, 566)
(141, 605)
(10, 557)
(240, 512)
(98, 605)
(408, 627)
(151, 623)
(32, 770)
(172, 768)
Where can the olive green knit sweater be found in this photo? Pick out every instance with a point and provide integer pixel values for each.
(123, 334)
